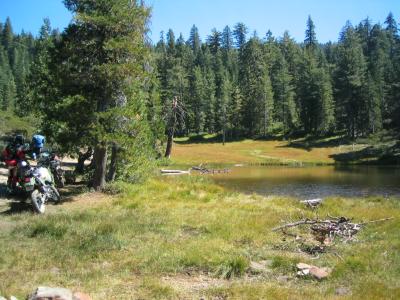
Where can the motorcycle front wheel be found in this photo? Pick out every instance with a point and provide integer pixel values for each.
(55, 195)
(38, 201)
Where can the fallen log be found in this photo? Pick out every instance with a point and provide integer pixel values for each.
(313, 202)
(206, 171)
(175, 172)
(376, 221)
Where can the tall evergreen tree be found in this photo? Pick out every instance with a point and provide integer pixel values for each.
(314, 87)
(286, 110)
(99, 65)
(194, 39)
(227, 39)
(311, 38)
(256, 89)
(350, 82)
(240, 31)
(7, 39)
(214, 41)
(171, 42)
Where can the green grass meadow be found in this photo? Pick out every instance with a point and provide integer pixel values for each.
(186, 238)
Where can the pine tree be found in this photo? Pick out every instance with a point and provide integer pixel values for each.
(286, 110)
(194, 39)
(100, 69)
(227, 39)
(235, 112)
(240, 31)
(198, 100)
(222, 107)
(209, 105)
(314, 89)
(40, 77)
(350, 82)
(393, 33)
(378, 62)
(256, 89)
(311, 38)
(214, 41)
(8, 38)
(391, 106)
(171, 42)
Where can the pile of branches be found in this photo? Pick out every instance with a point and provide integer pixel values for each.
(333, 227)
(205, 171)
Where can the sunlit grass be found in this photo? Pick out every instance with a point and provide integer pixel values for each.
(123, 247)
(251, 152)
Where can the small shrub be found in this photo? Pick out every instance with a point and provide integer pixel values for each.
(234, 268)
(115, 188)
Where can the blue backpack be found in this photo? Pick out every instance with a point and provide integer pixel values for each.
(38, 140)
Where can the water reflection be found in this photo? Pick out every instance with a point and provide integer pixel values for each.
(314, 182)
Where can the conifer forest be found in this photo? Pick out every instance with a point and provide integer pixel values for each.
(241, 83)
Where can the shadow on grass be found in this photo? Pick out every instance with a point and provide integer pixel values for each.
(16, 203)
(374, 155)
(203, 139)
(69, 192)
(20, 203)
(18, 207)
(314, 142)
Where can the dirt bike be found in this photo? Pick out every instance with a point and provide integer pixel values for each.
(52, 162)
(38, 182)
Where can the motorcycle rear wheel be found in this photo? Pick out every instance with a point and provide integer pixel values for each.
(38, 201)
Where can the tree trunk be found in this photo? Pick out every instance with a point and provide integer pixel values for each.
(80, 166)
(113, 164)
(100, 161)
(170, 140)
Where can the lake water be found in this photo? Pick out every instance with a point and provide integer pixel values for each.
(314, 182)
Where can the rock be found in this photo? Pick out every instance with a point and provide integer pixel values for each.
(260, 267)
(267, 263)
(342, 291)
(283, 279)
(328, 241)
(257, 267)
(2, 298)
(13, 298)
(81, 296)
(302, 266)
(320, 273)
(303, 272)
(47, 293)
(316, 272)
(55, 270)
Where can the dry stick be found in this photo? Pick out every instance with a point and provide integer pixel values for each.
(311, 222)
(303, 222)
(376, 221)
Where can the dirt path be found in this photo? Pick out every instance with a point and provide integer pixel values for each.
(75, 196)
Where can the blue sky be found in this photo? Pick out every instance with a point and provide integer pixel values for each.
(329, 15)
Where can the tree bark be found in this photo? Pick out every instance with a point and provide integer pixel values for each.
(100, 164)
(80, 166)
(170, 140)
(113, 164)
(171, 128)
